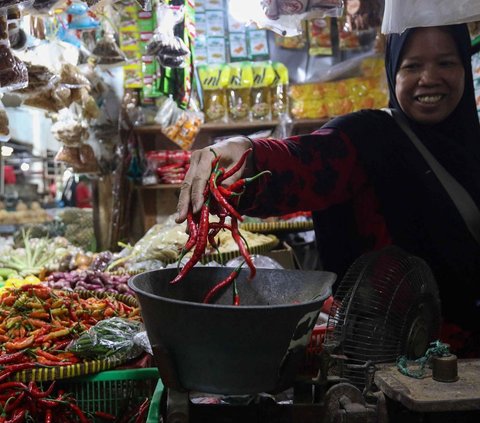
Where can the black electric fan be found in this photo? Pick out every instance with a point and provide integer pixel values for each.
(387, 305)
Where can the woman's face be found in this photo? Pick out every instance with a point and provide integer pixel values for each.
(430, 79)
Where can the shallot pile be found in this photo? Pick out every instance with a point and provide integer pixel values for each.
(90, 280)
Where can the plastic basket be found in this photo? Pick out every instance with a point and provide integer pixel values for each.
(154, 410)
(111, 390)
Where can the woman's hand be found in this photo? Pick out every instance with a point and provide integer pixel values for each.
(230, 151)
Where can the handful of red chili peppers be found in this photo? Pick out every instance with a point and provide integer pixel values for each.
(222, 202)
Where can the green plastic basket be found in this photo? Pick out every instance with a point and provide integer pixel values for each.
(154, 410)
(110, 391)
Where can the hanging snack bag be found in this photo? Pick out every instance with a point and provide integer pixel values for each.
(170, 49)
(238, 91)
(107, 53)
(263, 76)
(213, 80)
(320, 42)
(13, 72)
(4, 130)
(279, 90)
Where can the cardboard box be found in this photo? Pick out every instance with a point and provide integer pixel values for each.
(284, 255)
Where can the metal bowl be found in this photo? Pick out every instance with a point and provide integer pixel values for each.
(224, 349)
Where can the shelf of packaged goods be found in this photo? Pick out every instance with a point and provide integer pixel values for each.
(159, 186)
(239, 126)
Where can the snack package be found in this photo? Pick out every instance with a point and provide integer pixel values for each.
(357, 28)
(169, 48)
(319, 37)
(71, 77)
(285, 17)
(13, 72)
(261, 103)
(70, 128)
(40, 79)
(213, 80)
(279, 90)
(239, 91)
(180, 126)
(107, 53)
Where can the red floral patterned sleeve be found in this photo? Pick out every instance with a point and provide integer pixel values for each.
(309, 172)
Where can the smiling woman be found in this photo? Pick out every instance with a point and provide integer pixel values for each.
(366, 183)
(430, 78)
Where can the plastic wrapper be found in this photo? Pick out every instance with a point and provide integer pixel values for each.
(71, 77)
(16, 36)
(400, 15)
(68, 155)
(39, 79)
(4, 130)
(260, 262)
(239, 90)
(214, 80)
(107, 53)
(13, 72)
(170, 49)
(180, 126)
(43, 6)
(109, 337)
(70, 128)
(285, 16)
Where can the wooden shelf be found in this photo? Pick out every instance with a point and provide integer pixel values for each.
(238, 126)
(159, 186)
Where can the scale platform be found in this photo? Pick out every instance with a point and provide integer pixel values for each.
(427, 395)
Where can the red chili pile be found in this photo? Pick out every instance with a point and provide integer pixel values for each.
(37, 323)
(220, 201)
(20, 402)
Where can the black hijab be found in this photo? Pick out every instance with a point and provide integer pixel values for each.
(461, 129)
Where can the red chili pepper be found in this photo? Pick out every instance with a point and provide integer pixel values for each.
(105, 416)
(49, 403)
(237, 166)
(79, 413)
(12, 358)
(15, 404)
(13, 385)
(193, 234)
(202, 239)
(48, 415)
(35, 392)
(240, 184)
(47, 355)
(227, 281)
(243, 249)
(18, 416)
(12, 368)
(142, 411)
(221, 200)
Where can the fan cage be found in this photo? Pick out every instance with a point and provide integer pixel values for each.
(374, 308)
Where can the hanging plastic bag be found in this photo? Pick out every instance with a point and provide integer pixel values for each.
(4, 130)
(285, 16)
(400, 15)
(106, 52)
(13, 72)
(164, 43)
(70, 128)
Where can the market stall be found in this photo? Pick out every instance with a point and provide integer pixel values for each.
(110, 310)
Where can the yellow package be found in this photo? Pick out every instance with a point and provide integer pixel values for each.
(263, 77)
(214, 80)
(238, 91)
(279, 90)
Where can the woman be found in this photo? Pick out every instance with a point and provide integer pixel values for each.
(365, 181)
